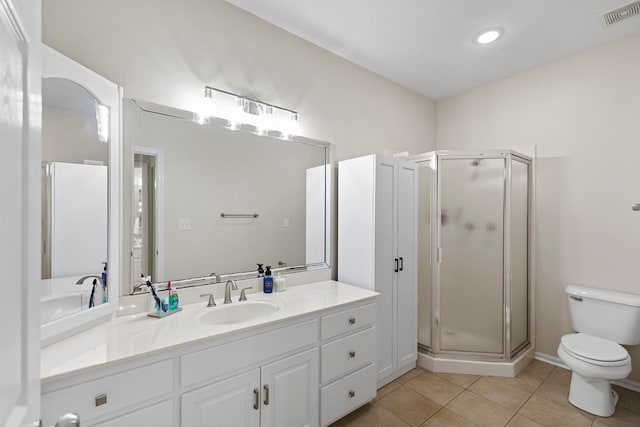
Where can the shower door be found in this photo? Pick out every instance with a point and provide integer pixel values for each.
(471, 203)
(426, 199)
(519, 255)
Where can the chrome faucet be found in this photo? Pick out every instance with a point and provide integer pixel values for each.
(231, 284)
(138, 288)
(96, 279)
(217, 276)
(82, 279)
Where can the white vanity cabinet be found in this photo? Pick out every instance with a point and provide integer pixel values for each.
(377, 250)
(303, 371)
(109, 392)
(283, 393)
(348, 374)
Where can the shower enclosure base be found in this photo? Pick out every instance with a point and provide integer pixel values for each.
(475, 367)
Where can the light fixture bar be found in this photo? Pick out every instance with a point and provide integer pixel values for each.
(208, 89)
(238, 110)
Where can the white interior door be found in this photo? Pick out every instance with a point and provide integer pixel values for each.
(386, 265)
(19, 223)
(407, 333)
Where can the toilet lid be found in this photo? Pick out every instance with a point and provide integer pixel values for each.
(594, 348)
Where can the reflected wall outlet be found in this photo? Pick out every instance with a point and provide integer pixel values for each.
(285, 222)
(184, 223)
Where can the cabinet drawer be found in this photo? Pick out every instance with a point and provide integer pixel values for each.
(119, 391)
(348, 320)
(345, 395)
(347, 354)
(217, 361)
(159, 415)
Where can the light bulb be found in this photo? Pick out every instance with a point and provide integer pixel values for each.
(488, 36)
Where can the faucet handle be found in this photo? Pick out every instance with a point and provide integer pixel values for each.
(243, 296)
(211, 302)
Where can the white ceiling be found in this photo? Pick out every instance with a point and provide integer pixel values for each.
(427, 46)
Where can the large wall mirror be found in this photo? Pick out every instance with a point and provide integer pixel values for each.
(80, 167)
(206, 202)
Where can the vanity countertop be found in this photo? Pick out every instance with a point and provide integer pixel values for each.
(134, 335)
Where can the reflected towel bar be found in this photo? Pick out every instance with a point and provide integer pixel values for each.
(226, 215)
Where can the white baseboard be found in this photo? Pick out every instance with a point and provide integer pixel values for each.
(553, 360)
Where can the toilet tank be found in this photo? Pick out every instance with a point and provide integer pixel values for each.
(611, 315)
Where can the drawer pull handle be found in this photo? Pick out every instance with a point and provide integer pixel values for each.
(256, 403)
(266, 394)
(352, 320)
(352, 394)
(352, 354)
(101, 399)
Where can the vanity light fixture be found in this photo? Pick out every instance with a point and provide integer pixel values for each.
(488, 36)
(237, 110)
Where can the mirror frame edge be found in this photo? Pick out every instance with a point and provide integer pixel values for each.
(55, 64)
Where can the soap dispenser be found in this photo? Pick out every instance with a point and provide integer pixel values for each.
(104, 284)
(260, 270)
(267, 281)
(173, 298)
(104, 274)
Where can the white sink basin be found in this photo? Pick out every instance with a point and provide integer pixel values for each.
(239, 312)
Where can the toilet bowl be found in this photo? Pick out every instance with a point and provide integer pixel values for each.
(603, 320)
(595, 362)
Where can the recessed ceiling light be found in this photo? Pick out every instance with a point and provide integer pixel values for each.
(488, 36)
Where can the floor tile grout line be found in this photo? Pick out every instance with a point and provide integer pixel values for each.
(592, 415)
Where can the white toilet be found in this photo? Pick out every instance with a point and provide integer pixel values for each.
(603, 320)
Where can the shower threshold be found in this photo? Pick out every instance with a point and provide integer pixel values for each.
(458, 365)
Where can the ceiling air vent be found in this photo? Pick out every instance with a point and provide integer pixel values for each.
(623, 12)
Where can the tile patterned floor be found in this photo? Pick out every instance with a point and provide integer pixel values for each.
(536, 397)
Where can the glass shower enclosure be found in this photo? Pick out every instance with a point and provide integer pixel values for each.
(474, 254)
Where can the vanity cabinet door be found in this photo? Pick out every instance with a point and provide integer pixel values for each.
(290, 395)
(230, 403)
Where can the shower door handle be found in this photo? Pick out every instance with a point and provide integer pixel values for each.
(395, 269)
(401, 264)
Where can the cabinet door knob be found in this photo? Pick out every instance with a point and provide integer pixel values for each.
(352, 320)
(266, 394)
(352, 354)
(256, 402)
(352, 393)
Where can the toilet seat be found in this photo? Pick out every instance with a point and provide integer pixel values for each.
(594, 350)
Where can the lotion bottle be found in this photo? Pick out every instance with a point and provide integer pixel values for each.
(280, 283)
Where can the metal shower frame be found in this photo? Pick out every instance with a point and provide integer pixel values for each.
(435, 158)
